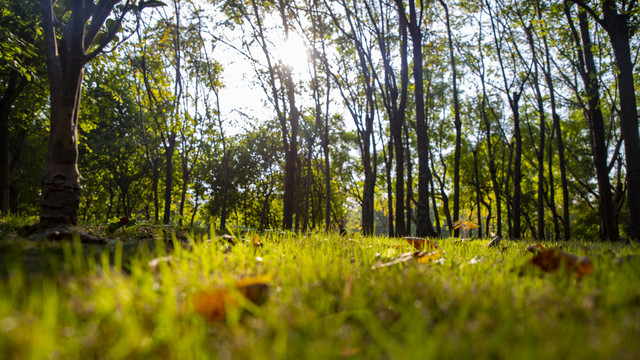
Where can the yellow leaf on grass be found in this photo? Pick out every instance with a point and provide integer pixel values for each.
(420, 243)
(423, 257)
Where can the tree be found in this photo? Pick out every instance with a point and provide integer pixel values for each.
(86, 31)
(621, 25)
(588, 73)
(423, 224)
(19, 59)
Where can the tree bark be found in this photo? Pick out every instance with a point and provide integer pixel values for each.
(15, 85)
(618, 27)
(587, 70)
(457, 123)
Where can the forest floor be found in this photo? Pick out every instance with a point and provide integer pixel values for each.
(149, 292)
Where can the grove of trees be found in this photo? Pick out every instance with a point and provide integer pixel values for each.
(483, 118)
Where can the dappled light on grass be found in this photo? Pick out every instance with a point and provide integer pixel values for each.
(321, 299)
(432, 252)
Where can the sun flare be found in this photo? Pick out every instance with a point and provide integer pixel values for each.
(292, 51)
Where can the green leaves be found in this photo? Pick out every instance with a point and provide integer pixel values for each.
(150, 4)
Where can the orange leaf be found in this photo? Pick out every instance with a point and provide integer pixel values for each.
(256, 240)
(350, 351)
(420, 243)
(552, 260)
(213, 305)
(535, 248)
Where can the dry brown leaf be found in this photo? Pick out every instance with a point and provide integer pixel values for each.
(553, 260)
(348, 287)
(213, 305)
(350, 351)
(535, 248)
(420, 243)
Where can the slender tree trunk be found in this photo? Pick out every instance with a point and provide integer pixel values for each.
(307, 188)
(168, 157)
(155, 180)
(423, 223)
(457, 123)
(617, 25)
(620, 39)
(587, 69)
(388, 167)
(14, 87)
(409, 197)
(396, 131)
(517, 168)
(477, 186)
(542, 133)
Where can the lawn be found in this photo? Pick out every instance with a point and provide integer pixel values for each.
(287, 296)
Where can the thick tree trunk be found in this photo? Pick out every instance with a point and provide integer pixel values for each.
(60, 196)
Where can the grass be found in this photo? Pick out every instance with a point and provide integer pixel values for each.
(325, 301)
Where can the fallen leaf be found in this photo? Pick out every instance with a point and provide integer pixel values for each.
(256, 241)
(213, 305)
(420, 243)
(348, 287)
(535, 248)
(350, 351)
(423, 257)
(552, 260)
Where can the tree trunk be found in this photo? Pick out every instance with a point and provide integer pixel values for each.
(618, 26)
(457, 123)
(423, 223)
(168, 182)
(620, 38)
(541, 134)
(60, 196)
(517, 168)
(587, 70)
(477, 186)
(14, 87)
